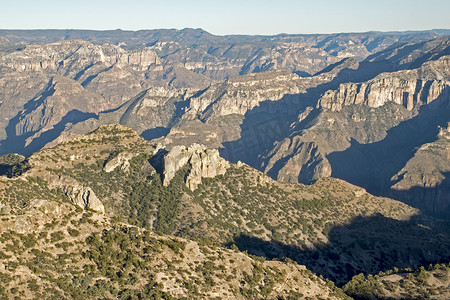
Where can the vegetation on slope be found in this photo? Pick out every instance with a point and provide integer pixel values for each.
(334, 228)
(431, 282)
(79, 255)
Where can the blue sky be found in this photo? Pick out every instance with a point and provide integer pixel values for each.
(228, 17)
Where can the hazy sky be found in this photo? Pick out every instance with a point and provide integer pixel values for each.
(228, 16)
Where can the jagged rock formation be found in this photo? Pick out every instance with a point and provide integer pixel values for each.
(409, 88)
(84, 197)
(121, 160)
(203, 163)
(241, 94)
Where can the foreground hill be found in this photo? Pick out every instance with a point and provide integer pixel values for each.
(334, 228)
(59, 240)
(66, 253)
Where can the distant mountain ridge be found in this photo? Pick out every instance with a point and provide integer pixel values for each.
(187, 36)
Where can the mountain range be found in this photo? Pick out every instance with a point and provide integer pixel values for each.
(372, 101)
(328, 152)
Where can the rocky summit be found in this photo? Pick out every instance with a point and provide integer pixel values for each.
(179, 164)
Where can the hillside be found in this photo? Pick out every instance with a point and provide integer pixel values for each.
(335, 229)
(116, 171)
(423, 283)
(74, 255)
(56, 242)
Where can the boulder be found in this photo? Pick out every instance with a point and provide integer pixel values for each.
(84, 197)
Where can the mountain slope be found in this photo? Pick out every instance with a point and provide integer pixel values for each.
(181, 192)
(56, 242)
(78, 255)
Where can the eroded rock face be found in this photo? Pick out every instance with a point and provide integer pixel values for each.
(121, 160)
(75, 55)
(241, 94)
(410, 88)
(377, 93)
(203, 163)
(84, 197)
(63, 97)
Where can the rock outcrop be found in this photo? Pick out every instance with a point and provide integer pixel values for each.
(84, 197)
(203, 163)
(121, 160)
(377, 92)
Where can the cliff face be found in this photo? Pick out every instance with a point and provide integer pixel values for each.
(156, 107)
(202, 163)
(110, 71)
(302, 162)
(241, 94)
(74, 56)
(377, 134)
(410, 88)
(62, 96)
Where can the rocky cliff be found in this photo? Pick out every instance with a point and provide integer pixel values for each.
(410, 88)
(297, 161)
(75, 56)
(241, 94)
(201, 162)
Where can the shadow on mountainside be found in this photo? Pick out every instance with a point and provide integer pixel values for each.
(373, 165)
(17, 144)
(367, 245)
(271, 121)
(262, 126)
(155, 133)
(431, 200)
